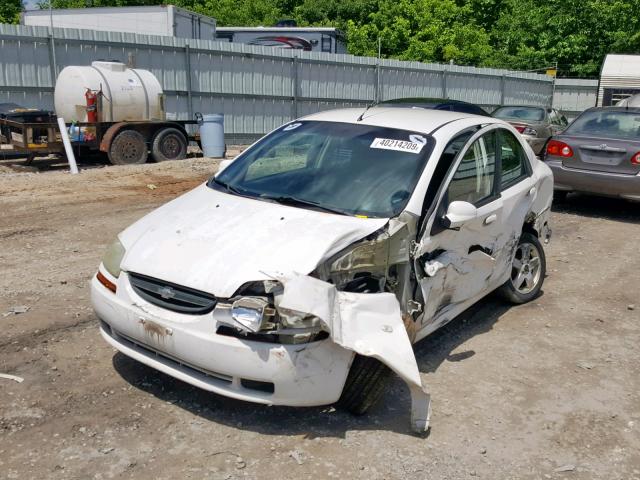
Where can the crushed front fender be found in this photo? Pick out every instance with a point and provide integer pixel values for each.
(369, 324)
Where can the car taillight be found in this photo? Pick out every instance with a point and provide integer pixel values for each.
(559, 149)
(636, 159)
(519, 128)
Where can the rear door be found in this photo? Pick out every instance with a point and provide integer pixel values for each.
(604, 141)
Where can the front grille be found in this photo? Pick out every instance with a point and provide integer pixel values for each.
(171, 296)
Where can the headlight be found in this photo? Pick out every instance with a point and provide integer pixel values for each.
(251, 313)
(113, 257)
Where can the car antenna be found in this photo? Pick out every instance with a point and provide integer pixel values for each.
(366, 110)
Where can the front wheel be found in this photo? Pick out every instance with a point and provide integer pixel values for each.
(365, 384)
(128, 148)
(528, 269)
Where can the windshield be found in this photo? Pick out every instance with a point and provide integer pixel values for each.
(341, 167)
(525, 114)
(607, 123)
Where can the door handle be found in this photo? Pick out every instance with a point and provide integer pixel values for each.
(532, 191)
(490, 219)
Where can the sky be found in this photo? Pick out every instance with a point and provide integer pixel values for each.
(30, 4)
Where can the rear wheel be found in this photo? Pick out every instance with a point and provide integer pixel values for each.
(169, 144)
(528, 269)
(128, 148)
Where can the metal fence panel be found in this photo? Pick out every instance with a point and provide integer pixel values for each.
(574, 95)
(257, 88)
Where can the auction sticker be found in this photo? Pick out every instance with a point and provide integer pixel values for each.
(407, 146)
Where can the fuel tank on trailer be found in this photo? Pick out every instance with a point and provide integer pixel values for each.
(128, 94)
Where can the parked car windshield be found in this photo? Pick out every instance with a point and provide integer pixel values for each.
(525, 114)
(341, 167)
(607, 123)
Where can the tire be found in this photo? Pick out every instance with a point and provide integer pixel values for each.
(169, 144)
(364, 386)
(128, 148)
(526, 277)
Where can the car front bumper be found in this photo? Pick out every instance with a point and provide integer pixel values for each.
(188, 348)
(600, 183)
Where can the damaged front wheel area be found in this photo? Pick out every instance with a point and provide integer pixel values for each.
(365, 384)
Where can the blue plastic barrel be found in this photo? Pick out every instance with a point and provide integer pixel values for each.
(212, 135)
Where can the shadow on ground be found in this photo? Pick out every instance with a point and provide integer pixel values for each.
(599, 207)
(391, 413)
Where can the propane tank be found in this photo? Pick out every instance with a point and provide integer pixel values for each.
(126, 94)
(92, 105)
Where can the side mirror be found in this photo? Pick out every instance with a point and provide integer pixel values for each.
(224, 164)
(459, 213)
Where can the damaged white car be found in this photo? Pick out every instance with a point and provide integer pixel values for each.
(302, 273)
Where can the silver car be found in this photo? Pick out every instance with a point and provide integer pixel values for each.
(599, 153)
(535, 124)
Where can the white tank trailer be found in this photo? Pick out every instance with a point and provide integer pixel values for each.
(120, 111)
(123, 94)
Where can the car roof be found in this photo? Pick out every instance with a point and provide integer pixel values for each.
(425, 101)
(614, 109)
(522, 106)
(416, 120)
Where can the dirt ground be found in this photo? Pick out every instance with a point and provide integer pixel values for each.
(545, 390)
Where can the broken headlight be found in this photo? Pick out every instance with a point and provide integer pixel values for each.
(252, 313)
(255, 316)
(113, 258)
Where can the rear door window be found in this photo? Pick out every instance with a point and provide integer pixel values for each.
(513, 159)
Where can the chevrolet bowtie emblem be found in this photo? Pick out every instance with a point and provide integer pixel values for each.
(167, 293)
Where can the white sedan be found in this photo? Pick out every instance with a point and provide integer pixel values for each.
(302, 272)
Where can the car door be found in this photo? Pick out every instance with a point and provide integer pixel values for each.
(458, 265)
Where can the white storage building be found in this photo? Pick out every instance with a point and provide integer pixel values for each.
(619, 79)
(165, 20)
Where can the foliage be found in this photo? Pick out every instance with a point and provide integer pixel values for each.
(519, 34)
(10, 11)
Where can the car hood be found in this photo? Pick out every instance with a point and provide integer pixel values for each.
(215, 242)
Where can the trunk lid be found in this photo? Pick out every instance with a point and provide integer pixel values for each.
(601, 154)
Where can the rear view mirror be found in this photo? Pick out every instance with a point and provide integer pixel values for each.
(459, 213)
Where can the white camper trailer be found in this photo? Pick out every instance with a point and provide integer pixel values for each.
(310, 39)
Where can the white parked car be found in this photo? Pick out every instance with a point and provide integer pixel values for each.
(302, 273)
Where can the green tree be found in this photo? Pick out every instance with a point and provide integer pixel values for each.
(10, 11)
(236, 12)
(575, 33)
(423, 30)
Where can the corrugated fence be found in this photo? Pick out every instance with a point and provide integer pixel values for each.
(574, 95)
(257, 88)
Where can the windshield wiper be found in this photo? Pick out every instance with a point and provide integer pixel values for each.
(299, 202)
(232, 189)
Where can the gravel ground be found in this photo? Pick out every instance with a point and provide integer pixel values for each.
(545, 390)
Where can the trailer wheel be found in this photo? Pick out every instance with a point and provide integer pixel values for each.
(169, 144)
(128, 148)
